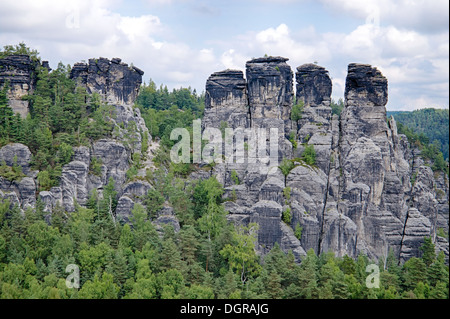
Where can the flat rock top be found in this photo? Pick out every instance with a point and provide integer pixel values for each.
(228, 73)
(311, 67)
(270, 59)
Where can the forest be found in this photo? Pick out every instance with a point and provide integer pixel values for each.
(431, 124)
(207, 258)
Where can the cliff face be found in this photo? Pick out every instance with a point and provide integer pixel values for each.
(19, 71)
(368, 191)
(118, 85)
(357, 197)
(114, 80)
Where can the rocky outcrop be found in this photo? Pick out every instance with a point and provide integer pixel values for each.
(21, 190)
(313, 85)
(367, 192)
(314, 126)
(133, 192)
(357, 197)
(262, 101)
(115, 81)
(16, 153)
(270, 91)
(226, 100)
(19, 72)
(118, 85)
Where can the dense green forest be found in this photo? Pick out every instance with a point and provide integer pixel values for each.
(433, 124)
(207, 258)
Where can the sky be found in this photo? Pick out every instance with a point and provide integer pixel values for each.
(180, 43)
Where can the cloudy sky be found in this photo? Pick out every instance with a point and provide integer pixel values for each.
(179, 43)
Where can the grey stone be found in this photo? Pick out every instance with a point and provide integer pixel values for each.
(18, 151)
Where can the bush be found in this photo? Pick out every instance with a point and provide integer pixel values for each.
(287, 217)
(309, 155)
(286, 166)
(298, 231)
(297, 110)
(235, 177)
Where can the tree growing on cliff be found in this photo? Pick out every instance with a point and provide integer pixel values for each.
(297, 110)
(17, 49)
(309, 155)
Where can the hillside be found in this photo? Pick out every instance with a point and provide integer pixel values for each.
(433, 123)
(253, 190)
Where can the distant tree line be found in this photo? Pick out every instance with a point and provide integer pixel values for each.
(431, 126)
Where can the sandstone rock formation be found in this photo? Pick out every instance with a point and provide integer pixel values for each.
(368, 191)
(357, 197)
(118, 85)
(114, 80)
(19, 72)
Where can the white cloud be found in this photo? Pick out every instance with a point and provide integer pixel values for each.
(415, 59)
(420, 15)
(136, 28)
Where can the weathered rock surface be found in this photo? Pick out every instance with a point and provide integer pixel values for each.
(314, 127)
(313, 85)
(358, 197)
(226, 100)
(115, 81)
(19, 152)
(166, 217)
(19, 71)
(118, 84)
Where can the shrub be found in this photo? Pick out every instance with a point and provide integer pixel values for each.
(286, 166)
(235, 177)
(286, 216)
(309, 155)
(297, 110)
(298, 231)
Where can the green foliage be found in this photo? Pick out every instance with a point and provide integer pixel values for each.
(428, 253)
(298, 231)
(426, 125)
(287, 216)
(293, 139)
(154, 202)
(442, 233)
(208, 257)
(241, 253)
(336, 107)
(163, 110)
(428, 151)
(19, 49)
(286, 166)
(287, 193)
(235, 177)
(61, 117)
(309, 155)
(133, 261)
(297, 110)
(13, 173)
(95, 166)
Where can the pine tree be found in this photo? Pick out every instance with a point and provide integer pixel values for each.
(273, 286)
(437, 271)
(308, 276)
(428, 251)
